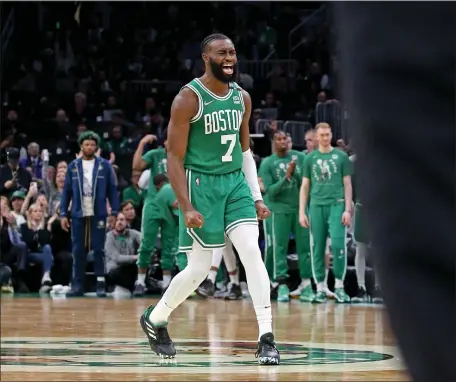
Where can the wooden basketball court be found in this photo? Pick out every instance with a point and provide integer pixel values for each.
(91, 339)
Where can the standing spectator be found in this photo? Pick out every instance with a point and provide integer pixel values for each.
(33, 163)
(121, 247)
(90, 181)
(38, 240)
(12, 176)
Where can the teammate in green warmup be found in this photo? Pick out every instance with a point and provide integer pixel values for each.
(164, 215)
(155, 160)
(327, 184)
(281, 174)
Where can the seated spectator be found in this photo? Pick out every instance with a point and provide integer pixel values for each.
(53, 192)
(121, 248)
(33, 163)
(5, 270)
(134, 193)
(38, 240)
(17, 200)
(61, 248)
(12, 176)
(128, 209)
(13, 254)
(118, 144)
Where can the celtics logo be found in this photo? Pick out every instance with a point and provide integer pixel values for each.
(324, 169)
(194, 356)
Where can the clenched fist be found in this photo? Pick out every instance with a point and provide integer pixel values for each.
(193, 219)
(262, 210)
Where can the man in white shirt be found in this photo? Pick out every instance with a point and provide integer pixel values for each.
(89, 182)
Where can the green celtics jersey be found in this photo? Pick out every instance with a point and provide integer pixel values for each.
(326, 172)
(156, 162)
(213, 142)
(282, 195)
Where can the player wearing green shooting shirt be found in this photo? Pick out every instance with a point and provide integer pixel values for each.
(155, 160)
(327, 184)
(281, 174)
(164, 215)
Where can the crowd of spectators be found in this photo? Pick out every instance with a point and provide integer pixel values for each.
(114, 69)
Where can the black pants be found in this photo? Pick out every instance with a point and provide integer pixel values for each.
(399, 74)
(124, 275)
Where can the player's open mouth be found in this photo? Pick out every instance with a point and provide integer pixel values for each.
(228, 69)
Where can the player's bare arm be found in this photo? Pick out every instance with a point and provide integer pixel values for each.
(348, 195)
(303, 200)
(140, 164)
(249, 166)
(184, 108)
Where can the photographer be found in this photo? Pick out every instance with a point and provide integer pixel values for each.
(12, 176)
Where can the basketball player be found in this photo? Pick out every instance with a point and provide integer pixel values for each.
(207, 288)
(281, 175)
(213, 174)
(155, 160)
(361, 236)
(327, 182)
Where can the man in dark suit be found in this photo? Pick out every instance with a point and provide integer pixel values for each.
(90, 181)
(33, 162)
(399, 69)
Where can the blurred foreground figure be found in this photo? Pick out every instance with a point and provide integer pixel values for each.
(399, 78)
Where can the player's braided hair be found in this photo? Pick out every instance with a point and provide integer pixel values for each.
(212, 37)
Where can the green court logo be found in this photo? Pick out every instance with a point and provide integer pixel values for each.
(194, 356)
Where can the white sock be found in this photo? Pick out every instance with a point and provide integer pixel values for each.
(245, 239)
(166, 281)
(100, 278)
(141, 279)
(212, 275)
(229, 259)
(326, 276)
(181, 286)
(339, 284)
(360, 264)
(321, 287)
(217, 255)
(46, 277)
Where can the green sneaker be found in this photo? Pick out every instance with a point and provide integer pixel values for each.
(320, 297)
(340, 296)
(307, 294)
(283, 294)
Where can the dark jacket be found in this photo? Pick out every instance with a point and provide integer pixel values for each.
(104, 187)
(22, 178)
(35, 240)
(37, 170)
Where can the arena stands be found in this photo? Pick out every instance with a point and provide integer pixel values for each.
(114, 68)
